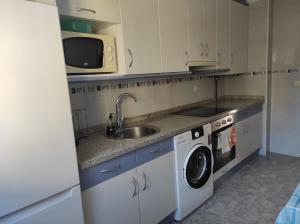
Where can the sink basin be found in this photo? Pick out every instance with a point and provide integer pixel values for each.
(134, 132)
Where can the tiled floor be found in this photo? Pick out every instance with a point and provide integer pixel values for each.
(253, 195)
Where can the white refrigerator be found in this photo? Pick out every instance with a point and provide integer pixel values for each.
(39, 182)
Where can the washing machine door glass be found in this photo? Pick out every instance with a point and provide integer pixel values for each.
(198, 167)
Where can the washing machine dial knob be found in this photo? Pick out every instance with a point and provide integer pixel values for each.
(224, 122)
(218, 124)
(197, 134)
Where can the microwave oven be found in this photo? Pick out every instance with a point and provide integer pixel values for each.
(87, 53)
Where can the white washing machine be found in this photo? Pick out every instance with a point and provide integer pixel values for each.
(194, 169)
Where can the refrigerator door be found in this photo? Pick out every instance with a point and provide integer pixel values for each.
(37, 148)
(61, 208)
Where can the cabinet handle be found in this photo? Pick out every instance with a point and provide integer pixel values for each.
(86, 10)
(145, 181)
(202, 49)
(131, 58)
(207, 50)
(186, 53)
(245, 113)
(111, 170)
(246, 129)
(134, 182)
(156, 151)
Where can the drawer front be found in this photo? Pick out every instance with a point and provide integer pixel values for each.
(241, 115)
(101, 10)
(106, 170)
(153, 151)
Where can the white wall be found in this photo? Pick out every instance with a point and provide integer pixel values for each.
(257, 60)
(285, 119)
(151, 98)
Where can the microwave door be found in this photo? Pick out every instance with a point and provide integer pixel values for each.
(84, 52)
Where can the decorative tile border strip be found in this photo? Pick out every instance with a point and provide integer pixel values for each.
(82, 88)
(100, 86)
(269, 72)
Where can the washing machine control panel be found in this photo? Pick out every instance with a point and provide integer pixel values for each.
(197, 133)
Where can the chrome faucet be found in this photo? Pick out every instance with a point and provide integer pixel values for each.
(119, 115)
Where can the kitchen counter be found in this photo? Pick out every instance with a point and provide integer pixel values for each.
(97, 148)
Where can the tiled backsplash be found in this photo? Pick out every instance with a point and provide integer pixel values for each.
(156, 94)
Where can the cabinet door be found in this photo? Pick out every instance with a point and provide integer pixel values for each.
(157, 193)
(173, 35)
(249, 136)
(101, 10)
(196, 39)
(239, 37)
(141, 36)
(223, 34)
(210, 29)
(242, 143)
(114, 201)
(256, 132)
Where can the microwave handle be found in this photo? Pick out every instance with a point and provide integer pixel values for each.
(131, 58)
(86, 10)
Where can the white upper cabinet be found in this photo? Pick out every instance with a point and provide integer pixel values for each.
(202, 31)
(99, 10)
(210, 29)
(223, 34)
(140, 23)
(173, 35)
(195, 30)
(239, 37)
(155, 36)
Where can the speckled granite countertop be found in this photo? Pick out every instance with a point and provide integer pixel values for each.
(97, 148)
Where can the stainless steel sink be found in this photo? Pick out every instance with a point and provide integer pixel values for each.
(134, 132)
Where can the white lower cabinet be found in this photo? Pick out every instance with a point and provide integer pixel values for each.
(157, 195)
(249, 136)
(113, 201)
(138, 188)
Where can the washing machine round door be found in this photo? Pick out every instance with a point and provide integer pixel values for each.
(198, 167)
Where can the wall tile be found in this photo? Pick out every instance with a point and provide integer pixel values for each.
(153, 95)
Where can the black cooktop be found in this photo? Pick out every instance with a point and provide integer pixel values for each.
(202, 111)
